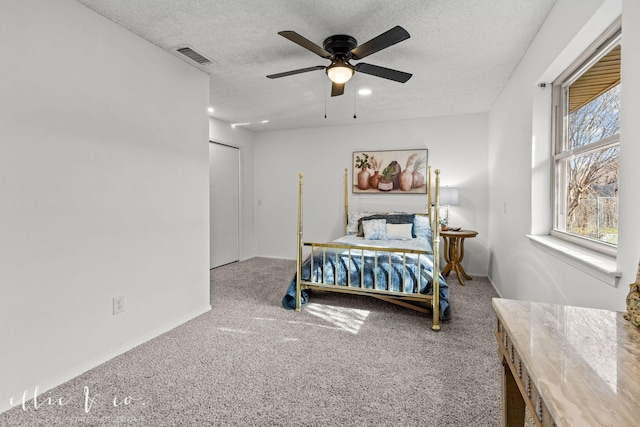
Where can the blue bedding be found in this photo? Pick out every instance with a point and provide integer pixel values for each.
(337, 273)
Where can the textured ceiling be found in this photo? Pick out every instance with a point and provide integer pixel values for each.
(461, 53)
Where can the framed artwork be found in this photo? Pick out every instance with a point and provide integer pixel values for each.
(392, 171)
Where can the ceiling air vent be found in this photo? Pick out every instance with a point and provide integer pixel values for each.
(193, 55)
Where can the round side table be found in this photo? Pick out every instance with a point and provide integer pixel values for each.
(454, 252)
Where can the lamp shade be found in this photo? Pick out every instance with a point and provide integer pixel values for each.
(339, 74)
(448, 196)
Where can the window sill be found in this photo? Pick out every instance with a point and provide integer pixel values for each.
(598, 265)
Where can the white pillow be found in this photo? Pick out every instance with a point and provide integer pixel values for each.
(375, 229)
(399, 231)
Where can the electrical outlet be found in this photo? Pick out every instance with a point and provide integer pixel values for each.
(118, 305)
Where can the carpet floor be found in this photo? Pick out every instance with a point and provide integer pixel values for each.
(342, 361)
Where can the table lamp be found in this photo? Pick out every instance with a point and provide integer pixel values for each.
(448, 197)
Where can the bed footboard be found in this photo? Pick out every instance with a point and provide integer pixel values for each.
(401, 276)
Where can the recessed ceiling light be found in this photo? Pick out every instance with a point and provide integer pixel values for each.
(265, 121)
(234, 125)
(364, 92)
(210, 110)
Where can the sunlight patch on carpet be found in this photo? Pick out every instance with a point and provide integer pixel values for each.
(296, 322)
(349, 319)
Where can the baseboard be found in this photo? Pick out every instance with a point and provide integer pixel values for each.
(43, 387)
(494, 286)
(274, 257)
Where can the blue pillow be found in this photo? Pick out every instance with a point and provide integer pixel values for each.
(422, 226)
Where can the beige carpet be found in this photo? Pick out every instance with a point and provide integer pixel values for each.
(343, 361)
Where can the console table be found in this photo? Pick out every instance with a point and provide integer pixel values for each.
(571, 366)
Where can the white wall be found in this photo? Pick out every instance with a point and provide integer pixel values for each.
(518, 269)
(457, 145)
(629, 240)
(220, 131)
(103, 176)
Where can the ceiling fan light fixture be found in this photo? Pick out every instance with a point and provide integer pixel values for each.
(339, 73)
(340, 48)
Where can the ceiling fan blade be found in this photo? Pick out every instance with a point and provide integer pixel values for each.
(291, 73)
(337, 89)
(385, 73)
(307, 44)
(384, 40)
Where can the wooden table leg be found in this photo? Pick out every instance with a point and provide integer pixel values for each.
(466, 276)
(513, 405)
(455, 258)
(447, 257)
(453, 255)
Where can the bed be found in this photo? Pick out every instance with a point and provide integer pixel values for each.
(392, 256)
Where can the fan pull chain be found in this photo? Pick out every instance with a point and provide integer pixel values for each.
(355, 96)
(325, 104)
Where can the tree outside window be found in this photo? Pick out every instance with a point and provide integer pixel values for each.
(592, 181)
(587, 156)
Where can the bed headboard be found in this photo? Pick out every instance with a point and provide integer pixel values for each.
(431, 198)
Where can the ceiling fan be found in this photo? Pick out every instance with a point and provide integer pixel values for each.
(342, 48)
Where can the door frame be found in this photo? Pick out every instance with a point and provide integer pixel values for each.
(239, 207)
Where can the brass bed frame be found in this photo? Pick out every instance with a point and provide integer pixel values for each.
(396, 297)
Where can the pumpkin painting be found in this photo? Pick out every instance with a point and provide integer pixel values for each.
(390, 171)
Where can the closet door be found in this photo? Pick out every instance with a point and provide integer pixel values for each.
(224, 204)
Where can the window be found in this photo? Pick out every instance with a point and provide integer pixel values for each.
(587, 147)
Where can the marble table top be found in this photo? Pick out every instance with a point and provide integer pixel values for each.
(584, 362)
